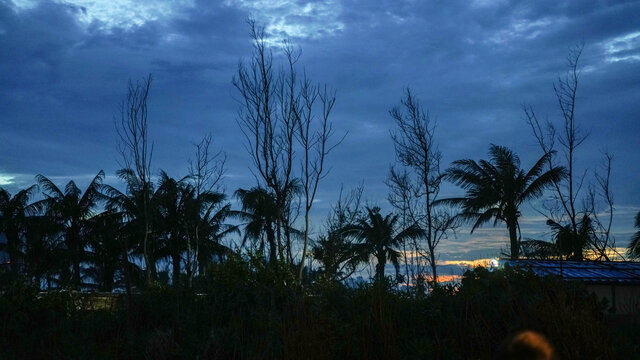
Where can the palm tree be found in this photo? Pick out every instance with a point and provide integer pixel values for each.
(45, 253)
(14, 214)
(339, 257)
(172, 225)
(381, 235)
(134, 210)
(634, 246)
(495, 189)
(105, 241)
(262, 213)
(71, 209)
(208, 227)
(570, 243)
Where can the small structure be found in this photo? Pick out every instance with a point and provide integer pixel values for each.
(616, 281)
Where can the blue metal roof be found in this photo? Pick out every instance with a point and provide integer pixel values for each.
(604, 272)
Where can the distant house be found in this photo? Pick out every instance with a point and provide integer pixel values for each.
(616, 281)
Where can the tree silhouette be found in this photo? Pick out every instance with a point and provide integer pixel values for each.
(207, 217)
(14, 214)
(495, 189)
(284, 120)
(205, 172)
(172, 223)
(634, 246)
(382, 236)
(314, 141)
(338, 255)
(71, 210)
(45, 254)
(567, 138)
(185, 216)
(569, 243)
(132, 208)
(105, 240)
(268, 121)
(136, 153)
(417, 151)
(261, 213)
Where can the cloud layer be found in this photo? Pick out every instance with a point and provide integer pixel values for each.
(64, 67)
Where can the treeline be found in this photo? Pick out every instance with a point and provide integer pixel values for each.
(104, 238)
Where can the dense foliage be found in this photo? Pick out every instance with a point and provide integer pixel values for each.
(247, 310)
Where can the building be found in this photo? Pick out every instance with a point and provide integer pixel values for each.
(616, 281)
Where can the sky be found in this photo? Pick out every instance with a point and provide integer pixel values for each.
(65, 65)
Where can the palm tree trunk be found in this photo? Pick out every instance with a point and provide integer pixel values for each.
(147, 262)
(432, 260)
(306, 242)
(107, 278)
(127, 275)
(382, 261)
(12, 249)
(272, 245)
(74, 246)
(279, 238)
(191, 259)
(430, 234)
(175, 259)
(76, 273)
(513, 237)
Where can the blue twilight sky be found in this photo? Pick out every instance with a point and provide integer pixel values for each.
(64, 67)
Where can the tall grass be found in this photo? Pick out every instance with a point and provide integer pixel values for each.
(256, 311)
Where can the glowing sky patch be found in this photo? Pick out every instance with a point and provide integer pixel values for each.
(522, 29)
(623, 48)
(487, 3)
(124, 14)
(25, 4)
(6, 180)
(287, 18)
(466, 263)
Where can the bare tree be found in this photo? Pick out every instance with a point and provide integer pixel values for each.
(337, 253)
(315, 144)
(564, 207)
(401, 197)
(208, 168)
(602, 242)
(267, 119)
(415, 148)
(279, 116)
(206, 172)
(136, 151)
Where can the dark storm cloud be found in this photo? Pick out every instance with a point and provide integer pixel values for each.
(62, 84)
(474, 69)
(472, 64)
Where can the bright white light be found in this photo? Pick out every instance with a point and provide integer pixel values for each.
(6, 180)
(494, 264)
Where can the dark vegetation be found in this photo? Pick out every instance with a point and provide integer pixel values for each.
(251, 311)
(166, 268)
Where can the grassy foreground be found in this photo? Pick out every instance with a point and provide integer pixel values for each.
(253, 311)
